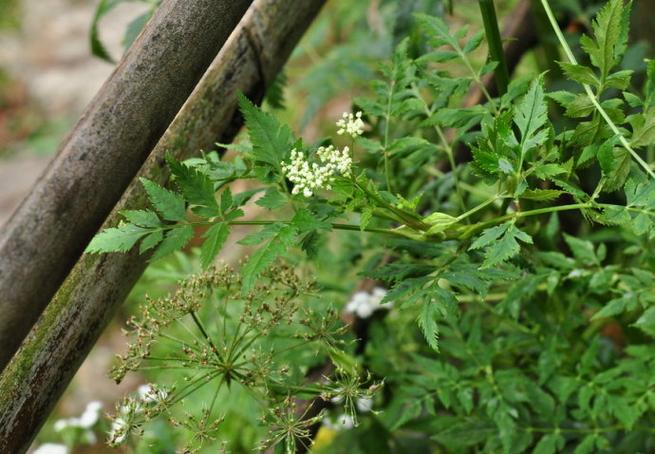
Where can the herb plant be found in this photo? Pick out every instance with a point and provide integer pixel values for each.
(513, 238)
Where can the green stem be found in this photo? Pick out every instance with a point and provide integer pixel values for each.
(204, 333)
(478, 81)
(336, 226)
(550, 55)
(590, 93)
(479, 207)
(495, 43)
(523, 214)
(409, 218)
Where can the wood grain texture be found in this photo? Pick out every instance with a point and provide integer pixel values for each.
(40, 371)
(46, 235)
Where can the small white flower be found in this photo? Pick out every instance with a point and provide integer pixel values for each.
(377, 295)
(364, 304)
(358, 299)
(90, 415)
(51, 448)
(87, 420)
(350, 124)
(309, 177)
(365, 310)
(61, 424)
(364, 404)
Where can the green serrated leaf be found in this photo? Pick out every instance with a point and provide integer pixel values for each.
(611, 35)
(587, 445)
(197, 187)
(583, 250)
(215, 238)
(272, 200)
(151, 240)
(271, 140)
(615, 163)
(501, 243)
(174, 240)
(614, 307)
(579, 73)
(542, 195)
(116, 239)
(646, 322)
(142, 218)
(263, 257)
(532, 115)
(427, 321)
(643, 129)
(549, 444)
(169, 204)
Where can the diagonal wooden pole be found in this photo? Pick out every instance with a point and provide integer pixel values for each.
(40, 371)
(48, 232)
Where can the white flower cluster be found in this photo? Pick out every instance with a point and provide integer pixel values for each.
(131, 409)
(364, 304)
(309, 177)
(350, 124)
(84, 422)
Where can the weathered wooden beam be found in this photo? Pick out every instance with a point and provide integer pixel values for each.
(48, 232)
(49, 357)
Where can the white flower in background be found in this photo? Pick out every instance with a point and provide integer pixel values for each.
(364, 404)
(342, 422)
(364, 304)
(84, 422)
(350, 124)
(51, 448)
(359, 304)
(91, 415)
(308, 177)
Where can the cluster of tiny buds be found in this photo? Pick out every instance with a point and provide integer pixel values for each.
(350, 124)
(308, 177)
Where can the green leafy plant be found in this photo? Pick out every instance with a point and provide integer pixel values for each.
(519, 282)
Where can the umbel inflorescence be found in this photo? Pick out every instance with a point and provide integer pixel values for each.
(218, 335)
(309, 177)
(350, 124)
